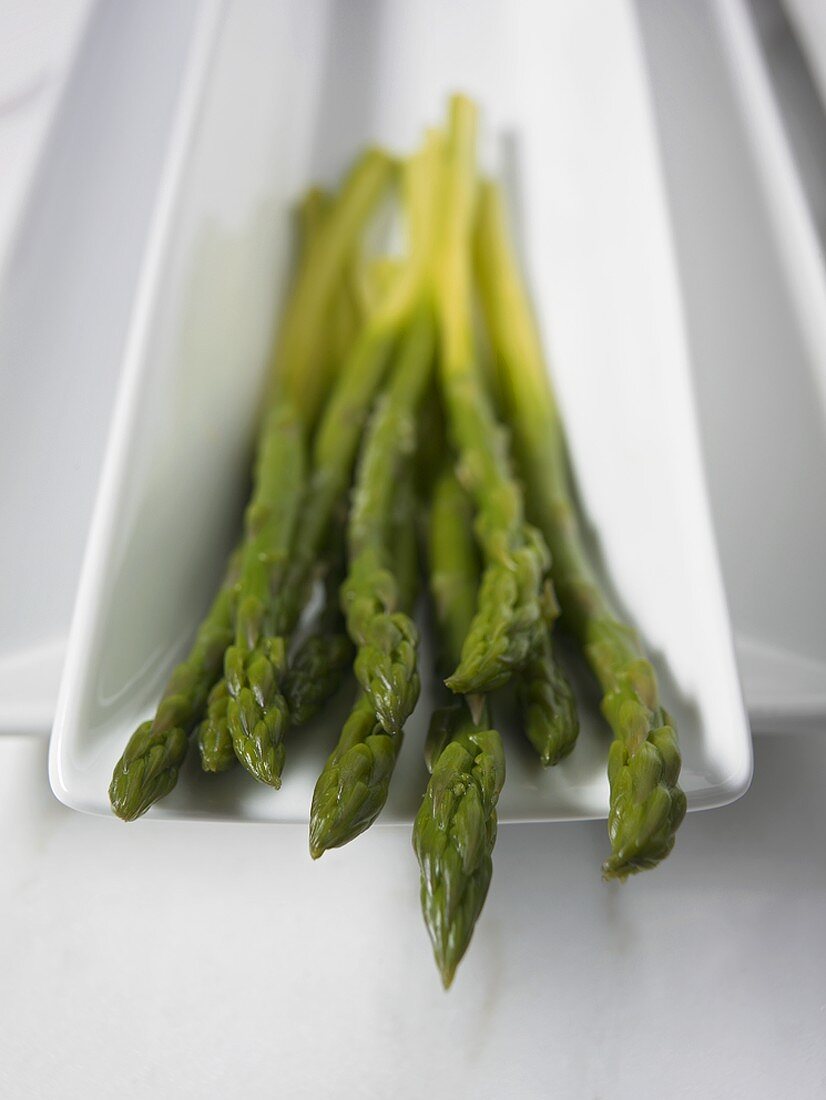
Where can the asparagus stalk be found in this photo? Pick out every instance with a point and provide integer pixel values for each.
(546, 699)
(353, 786)
(455, 828)
(550, 719)
(508, 617)
(453, 564)
(386, 637)
(299, 349)
(258, 720)
(318, 665)
(646, 802)
(255, 665)
(148, 769)
(341, 425)
(269, 607)
(315, 674)
(312, 677)
(346, 313)
(213, 736)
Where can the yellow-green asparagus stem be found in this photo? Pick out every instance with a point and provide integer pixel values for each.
(299, 351)
(508, 617)
(342, 422)
(453, 565)
(647, 804)
(385, 636)
(268, 607)
(345, 315)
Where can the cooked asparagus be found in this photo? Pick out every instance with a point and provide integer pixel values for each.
(508, 618)
(214, 739)
(455, 828)
(298, 358)
(647, 804)
(316, 669)
(547, 703)
(371, 348)
(255, 665)
(386, 637)
(352, 789)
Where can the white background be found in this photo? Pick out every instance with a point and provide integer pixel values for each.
(197, 960)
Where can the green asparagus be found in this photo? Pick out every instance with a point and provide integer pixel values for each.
(508, 617)
(384, 396)
(646, 804)
(213, 736)
(455, 828)
(255, 665)
(298, 367)
(315, 673)
(453, 565)
(548, 707)
(340, 428)
(547, 703)
(316, 669)
(353, 786)
(148, 769)
(454, 834)
(386, 637)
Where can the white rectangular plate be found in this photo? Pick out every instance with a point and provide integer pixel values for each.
(293, 91)
(754, 294)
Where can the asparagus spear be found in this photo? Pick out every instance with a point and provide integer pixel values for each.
(254, 666)
(214, 739)
(508, 617)
(340, 428)
(298, 368)
(386, 637)
(316, 669)
(547, 703)
(455, 828)
(258, 718)
(352, 788)
(646, 804)
(453, 564)
(546, 698)
(149, 767)
(315, 673)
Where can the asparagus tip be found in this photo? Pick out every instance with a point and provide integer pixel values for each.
(447, 973)
(611, 873)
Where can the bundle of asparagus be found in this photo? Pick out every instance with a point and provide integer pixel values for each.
(369, 350)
